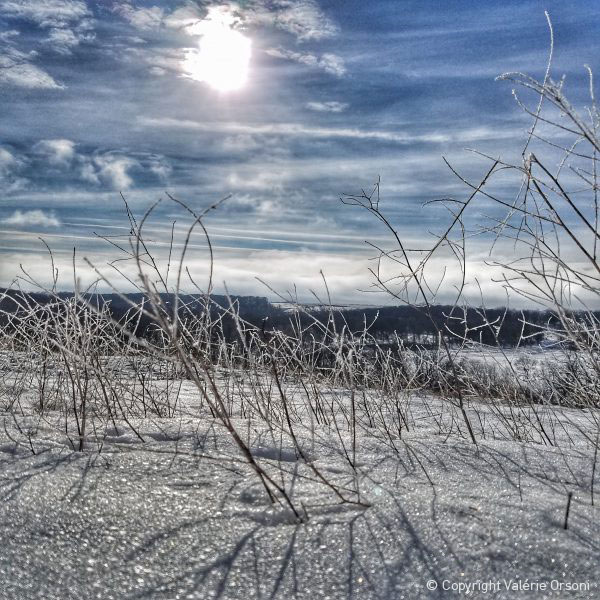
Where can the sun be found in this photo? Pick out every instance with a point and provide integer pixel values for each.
(223, 57)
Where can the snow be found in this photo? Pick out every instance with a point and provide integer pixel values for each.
(182, 515)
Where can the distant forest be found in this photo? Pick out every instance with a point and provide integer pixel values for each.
(410, 323)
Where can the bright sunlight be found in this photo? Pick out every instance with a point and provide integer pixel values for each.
(223, 56)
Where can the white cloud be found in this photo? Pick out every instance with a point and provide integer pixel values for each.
(331, 106)
(28, 76)
(142, 18)
(7, 36)
(216, 15)
(32, 217)
(10, 165)
(87, 172)
(17, 71)
(183, 17)
(45, 13)
(68, 20)
(8, 161)
(57, 152)
(160, 168)
(158, 71)
(239, 143)
(302, 18)
(108, 168)
(239, 269)
(16, 184)
(68, 26)
(258, 204)
(114, 170)
(63, 40)
(158, 59)
(331, 63)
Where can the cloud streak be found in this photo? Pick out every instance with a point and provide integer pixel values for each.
(301, 130)
(31, 218)
(331, 106)
(330, 63)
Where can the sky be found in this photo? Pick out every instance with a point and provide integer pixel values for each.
(281, 106)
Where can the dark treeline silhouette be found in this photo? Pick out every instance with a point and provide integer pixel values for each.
(122, 308)
(497, 326)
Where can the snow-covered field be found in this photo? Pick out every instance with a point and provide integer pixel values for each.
(181, 514)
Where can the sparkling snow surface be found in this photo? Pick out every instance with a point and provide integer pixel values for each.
(181, 515)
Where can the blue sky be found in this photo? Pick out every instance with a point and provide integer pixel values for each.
(96, 100)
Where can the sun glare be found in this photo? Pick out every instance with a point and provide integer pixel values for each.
(223, 56)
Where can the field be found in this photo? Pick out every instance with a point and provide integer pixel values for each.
(366, 503)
